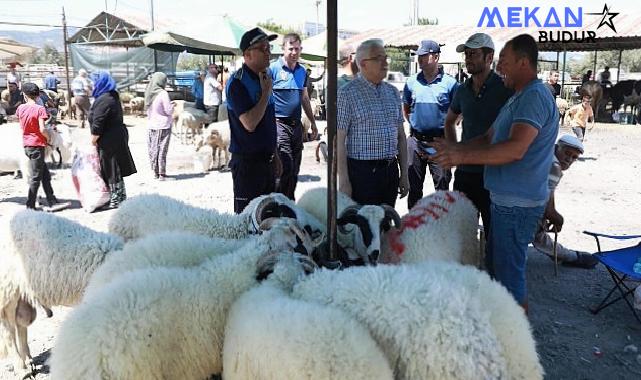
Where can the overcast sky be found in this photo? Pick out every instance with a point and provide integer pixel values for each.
(353, 14)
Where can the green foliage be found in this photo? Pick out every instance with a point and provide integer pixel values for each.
(630, 61)
(49, 55)
(270, 25)
(427, 21)
(192, 62)
(400, 59)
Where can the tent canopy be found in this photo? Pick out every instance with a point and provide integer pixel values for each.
(169, 41)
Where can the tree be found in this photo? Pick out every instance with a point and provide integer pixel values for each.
(194, 62)
(48, 54)
(270, 25)
(427, 21)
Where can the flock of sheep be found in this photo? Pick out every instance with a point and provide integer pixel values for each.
(175, 291)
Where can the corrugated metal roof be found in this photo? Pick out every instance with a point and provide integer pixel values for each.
(628, 36)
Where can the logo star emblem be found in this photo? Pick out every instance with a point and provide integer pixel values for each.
(606, 18)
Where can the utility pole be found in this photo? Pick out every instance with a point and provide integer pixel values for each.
(318, 2)
(64, 35)
(153, 27)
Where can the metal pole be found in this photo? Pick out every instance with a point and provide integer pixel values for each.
(565, 53)
(153, 27)
(64, 35)
(332, 75)
(619, 66)
(594, 68)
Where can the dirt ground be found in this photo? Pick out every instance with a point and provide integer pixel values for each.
(601, 192)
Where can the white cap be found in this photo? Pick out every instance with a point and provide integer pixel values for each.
(571, 141)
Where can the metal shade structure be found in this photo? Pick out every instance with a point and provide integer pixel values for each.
(169, 41)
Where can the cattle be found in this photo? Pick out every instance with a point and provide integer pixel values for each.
(625, 93)
(595, 91)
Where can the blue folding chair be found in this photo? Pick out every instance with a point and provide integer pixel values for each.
(619, 263)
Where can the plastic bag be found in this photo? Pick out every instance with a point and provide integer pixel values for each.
(85, 173)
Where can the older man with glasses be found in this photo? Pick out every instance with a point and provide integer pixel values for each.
(252, 120)
(371, 141)
(426, 98)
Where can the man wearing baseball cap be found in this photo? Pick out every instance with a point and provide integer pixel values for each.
(479, 100)
(252, 120)
(426, 98)
(567, 150)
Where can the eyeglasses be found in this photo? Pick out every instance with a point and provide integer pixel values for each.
(263, 48)
(379, 59)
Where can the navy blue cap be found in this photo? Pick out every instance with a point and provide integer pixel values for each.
(253, 36)
(428, 46)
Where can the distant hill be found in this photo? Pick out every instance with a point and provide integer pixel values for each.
(38, 39)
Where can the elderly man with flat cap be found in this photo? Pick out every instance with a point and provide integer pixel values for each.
(252, 120)
(426, 98)
(479, 100)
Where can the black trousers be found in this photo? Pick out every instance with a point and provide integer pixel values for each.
(212, 111)
(472, 185)
(417, 169)
(290, 152)
(374, 182)
(39, 173)
(253, 175)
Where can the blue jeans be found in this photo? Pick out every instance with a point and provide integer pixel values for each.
(512, 229)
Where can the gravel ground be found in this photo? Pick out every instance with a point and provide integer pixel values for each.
(601, 192)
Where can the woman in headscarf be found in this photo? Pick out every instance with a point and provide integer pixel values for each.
(159, 115)
(109, 134)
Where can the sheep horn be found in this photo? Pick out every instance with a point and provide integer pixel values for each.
(392, 216)
(348, 215)
(266, 208)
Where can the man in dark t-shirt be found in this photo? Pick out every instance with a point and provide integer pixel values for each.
(479, 100)
(252, 120)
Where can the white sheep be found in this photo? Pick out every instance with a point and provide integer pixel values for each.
(218, 136)
(203, 157)
(137, 105)
(433, 321)
(441, 226)
(47, 260)
(169, 249)
(179, 107)
(191, 119)
(271, 336)
(361, 229)
(12, 156)
(152, 213)
(162, 323)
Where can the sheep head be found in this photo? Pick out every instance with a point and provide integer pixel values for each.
(362, 228)
(283, 236)
(277, 205)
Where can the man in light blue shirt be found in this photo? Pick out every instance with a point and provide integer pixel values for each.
(426, 98)
(290, 94)
(517, 151)
(51, 82)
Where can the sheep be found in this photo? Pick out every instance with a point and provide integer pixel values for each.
(60, 141)
(361, 228)
(218, 136)
(434, 320)
(562, 105)
(203, 158)
(162, 323)
(47, 260)
(125, 99)
(169, 249)
(271, 336)
(179, 107)
(152, 213)
(12, 156)
(441, 226)
(137, 105)
(191, 119)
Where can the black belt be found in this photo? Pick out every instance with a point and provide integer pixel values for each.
(255, 156)
(427, 136)
(383, 162)
(288, 121)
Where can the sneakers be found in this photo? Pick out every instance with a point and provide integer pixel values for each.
(584, 260)
(53, 205)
